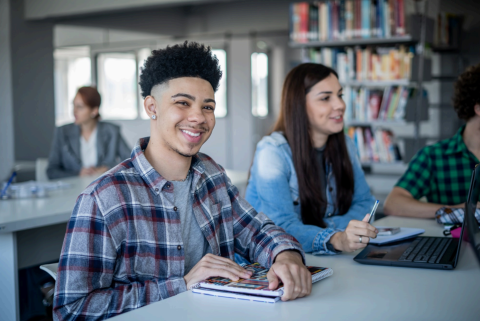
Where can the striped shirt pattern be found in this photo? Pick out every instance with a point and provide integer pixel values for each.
(123, 247)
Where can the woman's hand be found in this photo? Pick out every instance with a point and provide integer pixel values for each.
(100, 170)
(87, 171)
(356, 236)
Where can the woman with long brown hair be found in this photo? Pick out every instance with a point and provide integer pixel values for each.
(306, 175)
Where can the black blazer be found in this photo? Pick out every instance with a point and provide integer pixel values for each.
(65, 158)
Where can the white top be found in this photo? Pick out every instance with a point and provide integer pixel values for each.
(88, 150)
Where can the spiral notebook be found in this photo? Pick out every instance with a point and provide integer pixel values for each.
(253, 289)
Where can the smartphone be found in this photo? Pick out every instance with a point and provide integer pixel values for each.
(387, 231)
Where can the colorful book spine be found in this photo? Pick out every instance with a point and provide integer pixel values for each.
(373, 146)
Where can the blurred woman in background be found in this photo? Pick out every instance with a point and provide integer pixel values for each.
(306, 175)
(88, 146)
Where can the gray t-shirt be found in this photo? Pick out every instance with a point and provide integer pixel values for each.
(195, 245)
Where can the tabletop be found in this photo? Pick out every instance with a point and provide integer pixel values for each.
(22, 214)
(354, 292)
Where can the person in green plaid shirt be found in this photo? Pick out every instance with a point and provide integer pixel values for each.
(441, 172)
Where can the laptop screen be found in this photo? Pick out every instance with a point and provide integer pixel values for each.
(470, 221)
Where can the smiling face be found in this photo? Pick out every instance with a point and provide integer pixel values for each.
(184, 109)
(325, 109)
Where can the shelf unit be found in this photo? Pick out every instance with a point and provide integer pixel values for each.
(356, 42)
(418, 110)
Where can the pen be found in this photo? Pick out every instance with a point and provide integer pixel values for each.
(8, 184)
(372, 212)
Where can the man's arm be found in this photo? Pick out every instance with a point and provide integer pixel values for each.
(259, 239)
(401, 202)
(88, 285)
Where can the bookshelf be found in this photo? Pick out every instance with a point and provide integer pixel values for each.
(355, 42)
(378, 48)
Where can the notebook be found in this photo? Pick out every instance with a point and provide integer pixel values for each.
(253, 289)
(405, 233)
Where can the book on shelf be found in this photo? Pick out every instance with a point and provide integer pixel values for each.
(374, 145)
(448, 30)
(366, 105)
(256, 288)
(366, 64)
(329, 20)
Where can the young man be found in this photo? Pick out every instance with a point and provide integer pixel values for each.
(442, 172)
(168, 217)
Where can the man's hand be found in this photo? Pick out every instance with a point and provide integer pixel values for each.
(289, 269)
(349, 240)
(212, 265)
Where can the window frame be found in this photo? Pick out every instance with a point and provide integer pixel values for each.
(268, 82)
(97, 50)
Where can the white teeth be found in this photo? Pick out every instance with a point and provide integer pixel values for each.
(190, 133)
(338, 117)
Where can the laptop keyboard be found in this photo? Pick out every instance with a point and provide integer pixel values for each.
(426, 250)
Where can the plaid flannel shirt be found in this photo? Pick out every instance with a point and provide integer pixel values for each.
(123, 247)
(441, 172)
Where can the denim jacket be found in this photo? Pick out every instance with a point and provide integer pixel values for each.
(273, 190)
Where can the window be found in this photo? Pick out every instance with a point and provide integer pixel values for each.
(221, 94)
(259, 67)
(118, 77)
(72, 71)
(117, 83)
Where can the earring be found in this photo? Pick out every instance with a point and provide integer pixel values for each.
(154, 117)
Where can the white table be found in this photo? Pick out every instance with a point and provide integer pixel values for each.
(354, 292)
(30, 234)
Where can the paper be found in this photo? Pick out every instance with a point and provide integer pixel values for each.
(405, 233)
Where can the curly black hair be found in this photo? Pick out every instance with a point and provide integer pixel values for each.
(181, 60)
(467, 92)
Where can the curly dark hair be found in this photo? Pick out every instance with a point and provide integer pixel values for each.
(181, 60)
(467, 92)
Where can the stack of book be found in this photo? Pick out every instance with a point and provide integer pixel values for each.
(368, 64)
(374, 145)
(348, 19)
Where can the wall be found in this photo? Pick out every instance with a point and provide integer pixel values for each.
(31, 45)
(7, 156)
(233, 26)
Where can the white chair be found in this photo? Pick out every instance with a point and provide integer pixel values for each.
(50, 269)
(41, 165)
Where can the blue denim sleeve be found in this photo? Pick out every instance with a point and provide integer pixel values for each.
(270, 176)
(363, 200)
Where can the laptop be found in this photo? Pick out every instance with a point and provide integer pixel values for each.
(424, 251)
(473, 228)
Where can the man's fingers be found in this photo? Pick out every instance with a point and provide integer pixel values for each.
(288, 285)
(273, 280)
(366, 218)
(229, 264)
